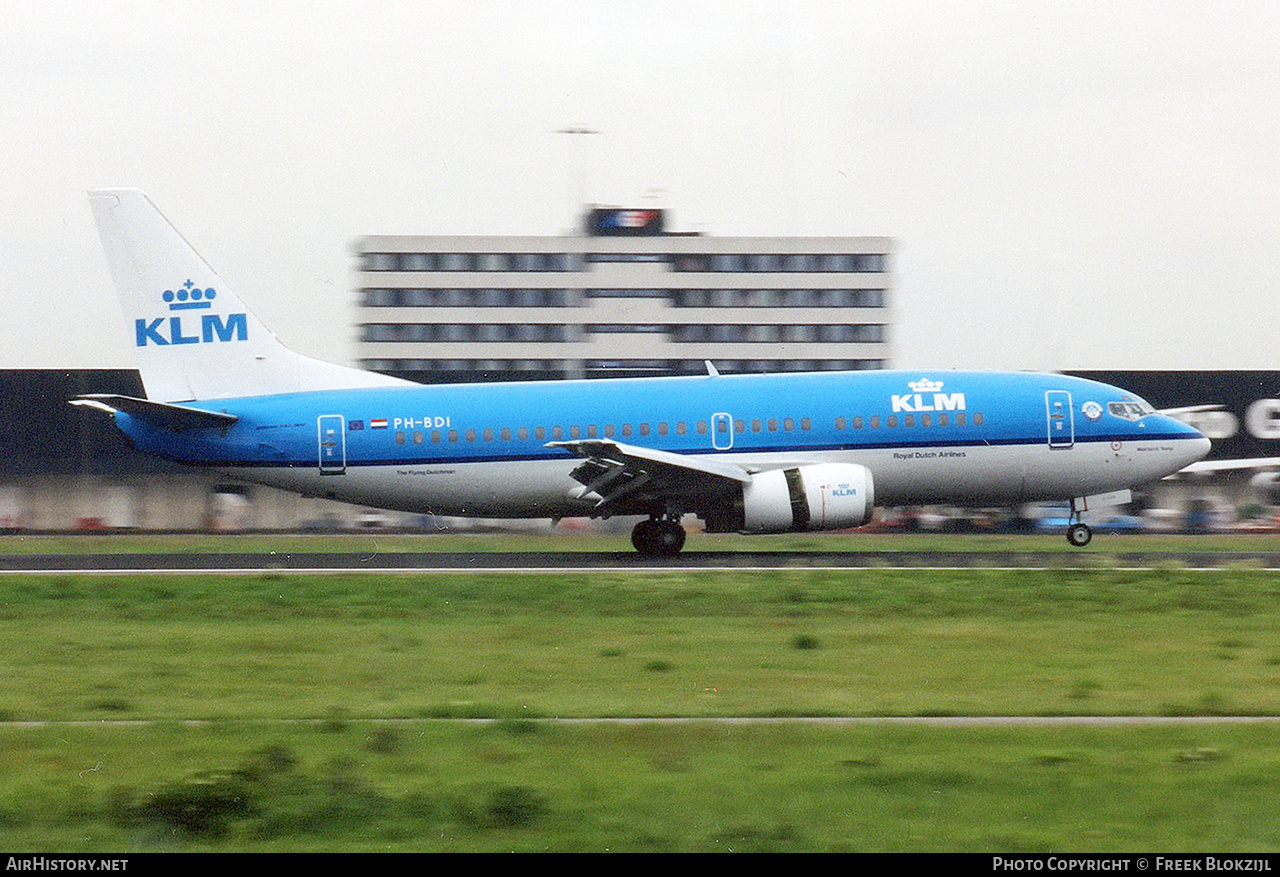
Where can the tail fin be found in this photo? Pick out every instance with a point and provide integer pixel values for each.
(193, 337)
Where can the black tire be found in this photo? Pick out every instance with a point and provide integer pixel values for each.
(658, 538)
(1079, 535)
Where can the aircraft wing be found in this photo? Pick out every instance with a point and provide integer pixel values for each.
(1224, 465)
(624, 477)
(161, 414)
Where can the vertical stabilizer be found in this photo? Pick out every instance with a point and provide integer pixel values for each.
(192, 336)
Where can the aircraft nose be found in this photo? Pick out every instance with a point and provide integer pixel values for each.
(1194, 447)
(1198, 449)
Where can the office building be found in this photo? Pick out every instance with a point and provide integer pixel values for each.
(625, 297)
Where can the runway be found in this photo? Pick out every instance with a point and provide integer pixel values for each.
(230, 562)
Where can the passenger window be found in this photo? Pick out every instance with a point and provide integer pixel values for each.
(557, 432)
(575, 432)
(857, 423)
(788, 424)
(644, 429)
(755, 425)
(805, 424)
(399, 438)
(435, 436)
(840, 423)
(892, 421)
(662, 429)
(702, 427)
(909, 420)
(488, 435)
(471, 435)
(453, 435)
(417, 438)
(773, 425)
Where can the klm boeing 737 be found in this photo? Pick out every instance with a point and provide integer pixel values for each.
(745, 453)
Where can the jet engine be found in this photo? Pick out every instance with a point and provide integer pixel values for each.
(1267, 484)
(820, 496)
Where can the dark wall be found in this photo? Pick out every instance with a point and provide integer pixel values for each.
(40, 434)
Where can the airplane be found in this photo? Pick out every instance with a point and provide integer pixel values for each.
(745, 453)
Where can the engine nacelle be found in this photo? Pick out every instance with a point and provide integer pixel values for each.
(1267, 484)
(820, 496)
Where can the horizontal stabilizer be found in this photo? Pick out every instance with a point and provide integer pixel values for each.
(176, 417)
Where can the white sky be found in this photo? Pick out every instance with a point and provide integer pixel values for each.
(1071, 184)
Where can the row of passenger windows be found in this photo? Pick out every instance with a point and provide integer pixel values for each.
(418, 297)
(825, 263)
(701, 427)
(943, 418)
(458, 332)
(593, 431)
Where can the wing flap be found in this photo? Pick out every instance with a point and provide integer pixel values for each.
(624, 454)
(619, 476)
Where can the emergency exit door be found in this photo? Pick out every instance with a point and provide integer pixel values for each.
(332, 439)
(1061, 423)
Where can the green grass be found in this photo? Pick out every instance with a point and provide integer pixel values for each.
(890, 642)
(310, 667)
(432, 786)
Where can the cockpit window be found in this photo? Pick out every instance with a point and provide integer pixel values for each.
(1134, 410)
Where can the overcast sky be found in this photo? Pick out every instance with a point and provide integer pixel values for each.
(1070, 184)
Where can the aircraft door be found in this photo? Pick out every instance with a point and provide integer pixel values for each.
(1061, 423)
(332, 438)
(721, 432)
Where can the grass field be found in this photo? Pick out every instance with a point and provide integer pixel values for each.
(325, 707)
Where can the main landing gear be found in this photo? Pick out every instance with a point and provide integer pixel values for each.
(658, 537)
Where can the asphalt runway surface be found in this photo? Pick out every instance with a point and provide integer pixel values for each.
(627, 561)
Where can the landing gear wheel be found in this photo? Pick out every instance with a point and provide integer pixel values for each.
(658, 537)
(1079, 535)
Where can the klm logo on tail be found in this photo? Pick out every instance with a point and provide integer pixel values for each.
(208, 329)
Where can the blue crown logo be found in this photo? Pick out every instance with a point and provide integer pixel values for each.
(189, 297)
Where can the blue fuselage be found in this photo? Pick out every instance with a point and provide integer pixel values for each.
(481, 449)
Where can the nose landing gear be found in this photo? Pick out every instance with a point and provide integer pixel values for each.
(658, 537)
(1079, 534)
